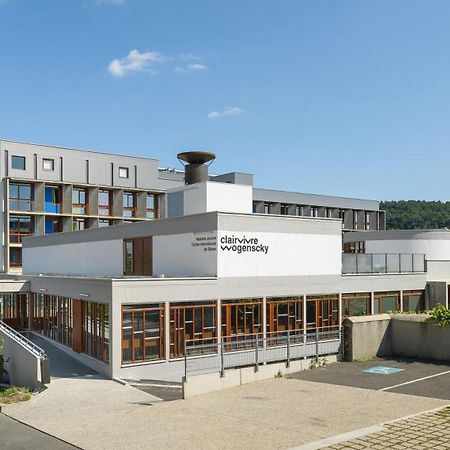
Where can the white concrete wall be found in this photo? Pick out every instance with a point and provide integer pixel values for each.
(101, 258)
(434, 249)
(438, 270)
(281, 254)
(227, 197)
(185, 255)
(194, 198)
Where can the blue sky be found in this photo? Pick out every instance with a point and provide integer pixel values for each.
(347, 97)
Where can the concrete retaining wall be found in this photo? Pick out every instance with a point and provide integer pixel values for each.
(210, 382)
(367, 336)
(415, 338)
(23, 367)
(408, 335)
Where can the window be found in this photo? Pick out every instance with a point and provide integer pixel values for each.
(284, 314)
(104, 223)
(284, 209)
(52, 225)
(413, 301)
(52, 199)
(19, 227)
(322, 312)
(193, 323)
(123, 172)
(142, 333)
(78, 224)
(355, 305)
(20, 197)
(386, 301)
(152, 209)
(15, 257)
(79, 204)
(18, 162)
(241, 319)
(48, 164)
(129, 204)
(138, 256)
(104, 203)
(267, 208)
(96, 330)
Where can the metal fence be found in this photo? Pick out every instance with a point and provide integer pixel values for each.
(253, 350)
(354, 263)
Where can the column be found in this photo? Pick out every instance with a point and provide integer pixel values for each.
(77, 331)
(218, 319)
(372, 303)
(167, 330)
(340, 311)
(401, 300)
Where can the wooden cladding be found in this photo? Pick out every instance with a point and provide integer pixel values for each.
(138, 256)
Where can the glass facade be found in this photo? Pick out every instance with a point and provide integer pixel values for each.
(79, 201)
(19, 227)
(129, 204)
(142, 333)
(356, 304)
(104, 203)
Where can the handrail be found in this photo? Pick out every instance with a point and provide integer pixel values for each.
(18, 337)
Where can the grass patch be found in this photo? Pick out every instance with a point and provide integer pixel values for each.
(365, 358)
(14, 394)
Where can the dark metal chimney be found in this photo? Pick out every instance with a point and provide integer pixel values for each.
(196, 167)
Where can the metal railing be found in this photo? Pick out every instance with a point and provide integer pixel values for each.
(373, 263)
(18, 337)
(253, 350)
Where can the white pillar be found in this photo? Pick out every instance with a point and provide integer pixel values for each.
(372, 302)
(401, 300)
(219, 319)
(340, 310)
(167, 330)
(264, 318)
(304, 314)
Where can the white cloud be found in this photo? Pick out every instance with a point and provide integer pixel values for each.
(135, 61)
(109, 2)
(229, 111)
(194, 67)
(190, 57)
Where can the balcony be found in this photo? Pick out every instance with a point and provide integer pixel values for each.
(380, 263)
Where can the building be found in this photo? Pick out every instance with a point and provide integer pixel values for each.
(48, 189)
(131, 300)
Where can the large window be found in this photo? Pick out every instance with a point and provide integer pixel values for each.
(241, 318)
(78, 224)
(52, 316)
(284, 314)
(96, 330)
(322, 312)
(48, 164)
(138, 256)
(355, 305)
(142, 333)
(104, 203)
(19, 227)
(52, 225)
(14, 310)
(53, 199)
(15, 256)
(413, 301)
(123, 172)
(152, 206)
(79, 203)
(191, 323)
(129, 204)
(386, 301)
(18, 162)
(20, 197)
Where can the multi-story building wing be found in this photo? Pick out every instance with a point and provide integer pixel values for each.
(51, 189)
(47, 189)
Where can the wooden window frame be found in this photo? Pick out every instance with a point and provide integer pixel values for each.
(19, 200)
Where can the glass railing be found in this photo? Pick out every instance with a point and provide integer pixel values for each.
(360, 263)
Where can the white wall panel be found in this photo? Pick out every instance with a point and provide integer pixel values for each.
(278, 254)
(101, 258)
(437, 249)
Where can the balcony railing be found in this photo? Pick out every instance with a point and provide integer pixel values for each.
(15, 237)
(372, 263)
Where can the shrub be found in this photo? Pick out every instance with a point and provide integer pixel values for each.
(14, 394)
(440, 315)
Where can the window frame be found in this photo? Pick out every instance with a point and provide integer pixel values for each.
(18, 158)
(50, 160)
(127, 171)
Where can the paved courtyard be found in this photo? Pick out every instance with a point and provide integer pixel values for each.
(424, 431)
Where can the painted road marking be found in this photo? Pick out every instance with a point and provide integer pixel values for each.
(415, 381)
(382, 370)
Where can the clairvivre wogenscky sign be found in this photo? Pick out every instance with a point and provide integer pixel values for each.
(244, 244)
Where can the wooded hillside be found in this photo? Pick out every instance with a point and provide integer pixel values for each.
(416, 214)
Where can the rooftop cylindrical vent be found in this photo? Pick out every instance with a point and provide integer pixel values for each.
(196, 165)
